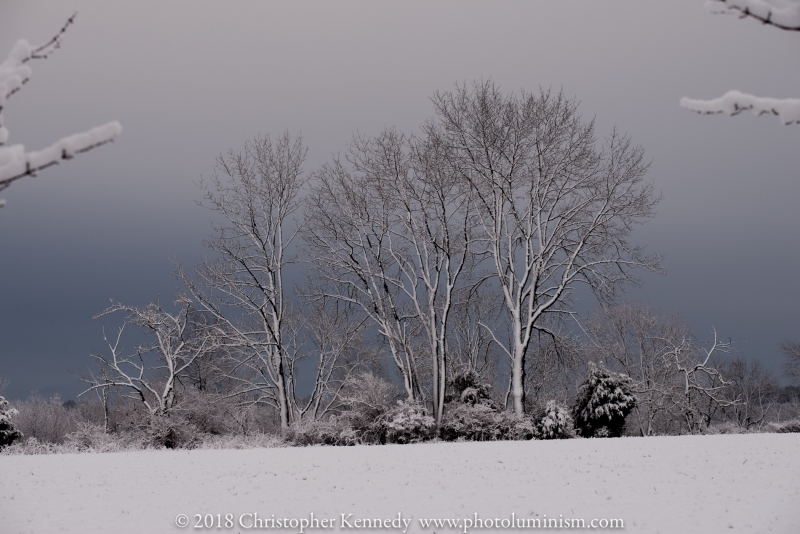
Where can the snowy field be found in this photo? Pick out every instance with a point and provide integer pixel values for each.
(704, 484)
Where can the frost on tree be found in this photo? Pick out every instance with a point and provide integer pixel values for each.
(15, 162)
(783, 14)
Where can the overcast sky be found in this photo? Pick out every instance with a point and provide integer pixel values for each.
(189, 80)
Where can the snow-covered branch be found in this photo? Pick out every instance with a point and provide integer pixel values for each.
(15, 162)
(783, 14)
(734, 102)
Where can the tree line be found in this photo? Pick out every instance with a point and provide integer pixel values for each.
(441, 270)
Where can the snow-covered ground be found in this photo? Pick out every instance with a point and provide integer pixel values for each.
(703, 484)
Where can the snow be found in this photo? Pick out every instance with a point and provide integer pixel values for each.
(734, 102)
(704, 484)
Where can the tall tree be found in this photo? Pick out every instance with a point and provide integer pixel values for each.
(552, 209)
(256, 193)
(391, 230)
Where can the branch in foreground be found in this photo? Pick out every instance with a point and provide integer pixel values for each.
(734, 102)
(15, 163)
(783, 14)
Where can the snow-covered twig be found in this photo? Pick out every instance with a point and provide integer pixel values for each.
(15, 163)
(783, 14)
(734, 102)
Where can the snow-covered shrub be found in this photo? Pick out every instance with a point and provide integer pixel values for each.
(727, 427)
(604, 401)
(470, 422)
(404, 423)
(47, 420)
(334, 431)
(367, 393)
(258, 440)
(171, 432)
(482, 422)
(467, 389)
(89, 437)
(787, 427)
(32, 446)
(516, 428)
(555, 423)
(8, 431)
(472, 415)
(210, 414)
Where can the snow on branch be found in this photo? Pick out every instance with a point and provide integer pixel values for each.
(783, 14)
(734, 102)
(15, 162)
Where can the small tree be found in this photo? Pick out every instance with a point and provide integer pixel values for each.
(15, 162)
(754, 390)
(604, 401)
(177, 345)
(555, 422)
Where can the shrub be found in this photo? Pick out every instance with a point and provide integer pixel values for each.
(169, 431)
(470, 422)
(404, 423)
(258, 440)
(47, 420)
(89, 437)
(727, 427)
(335, 431)
(555, 422)
(787, 427)
(516, 428)
(467, 389)
(604, 401)
(482, 422)
(8, 432)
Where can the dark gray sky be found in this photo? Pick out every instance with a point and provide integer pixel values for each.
(189, 80)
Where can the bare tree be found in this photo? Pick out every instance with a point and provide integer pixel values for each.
(701, 388)
(351, 234)
(256, 192)
(782, 14)
(679, 384)
(397, 203)
(753, 388)
(175, 347)
(15, 162)
(553, 210)
(554, 366)
(471, 348)
(633, 339)
(791, 367)
(338, 348)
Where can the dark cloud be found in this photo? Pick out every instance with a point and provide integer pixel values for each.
(189, 80)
